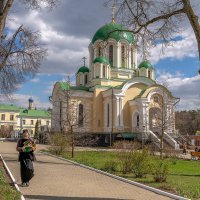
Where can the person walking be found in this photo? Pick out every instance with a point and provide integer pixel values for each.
(185, 148)
(26, 147)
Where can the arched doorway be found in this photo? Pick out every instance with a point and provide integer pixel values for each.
(155, 119)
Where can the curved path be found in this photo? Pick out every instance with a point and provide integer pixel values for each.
(56, 179)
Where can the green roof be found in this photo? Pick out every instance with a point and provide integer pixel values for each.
(9, 107)
(83, 69)
(34, 113)
(64, 85)
(146, 64)
(101, 59)
(114, 31)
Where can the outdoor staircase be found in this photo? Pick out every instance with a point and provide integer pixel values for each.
(167, 140)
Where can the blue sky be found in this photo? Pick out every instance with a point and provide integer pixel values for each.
(66, 32)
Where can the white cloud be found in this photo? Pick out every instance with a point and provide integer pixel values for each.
(35, 80)
(180, 49)
(187, 89)
(64, 51)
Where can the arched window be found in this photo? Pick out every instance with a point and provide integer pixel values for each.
(138, 120)
(99, 51)
(86, 79)
(149, 74)
(104, 71)
(108, 115)
(80, 115)
(111, 55)
(123, 56)
(132, 64)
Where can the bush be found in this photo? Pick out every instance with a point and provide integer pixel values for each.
(141, 163)
(110, 166)
(59, 143)
(160, 171)
(125, 161)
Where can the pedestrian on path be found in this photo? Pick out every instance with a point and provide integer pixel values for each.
(26, 147)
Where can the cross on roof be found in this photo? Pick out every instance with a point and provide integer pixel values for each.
(84, 58)
(113, 12)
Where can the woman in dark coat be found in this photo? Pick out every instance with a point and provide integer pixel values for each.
(26, 148)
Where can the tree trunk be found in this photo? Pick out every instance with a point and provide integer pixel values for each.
(3, 13)
(193, 21)
(72, 135)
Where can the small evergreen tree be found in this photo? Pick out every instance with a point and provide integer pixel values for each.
(36, 135)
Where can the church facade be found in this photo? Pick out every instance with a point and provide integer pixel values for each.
(115, 94)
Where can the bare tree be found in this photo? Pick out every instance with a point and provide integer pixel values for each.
(22, 53)
(152, 21)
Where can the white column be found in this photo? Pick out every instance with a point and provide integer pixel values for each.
(106, 71)
(129, 58)
(118, 55)
(135, 60)
(101, 71)
(121, 111)
(117, 112)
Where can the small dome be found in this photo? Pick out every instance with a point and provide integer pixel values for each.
(30, 100)
(83, 69)
(111, 31)
(101, 59)
(146, 64)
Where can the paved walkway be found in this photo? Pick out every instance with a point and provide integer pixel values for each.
(60, 180)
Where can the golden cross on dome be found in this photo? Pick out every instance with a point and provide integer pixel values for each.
(113, 12)
(84, 58)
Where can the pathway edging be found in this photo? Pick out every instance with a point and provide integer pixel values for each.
(11, 176)
(160, 192)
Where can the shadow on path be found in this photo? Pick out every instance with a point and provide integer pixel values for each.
(42, 197)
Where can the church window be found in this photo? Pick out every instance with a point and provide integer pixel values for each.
(11, 117)
(86, 79)
(32, 122)
(3, 117)
(111, 55)
(99, 51)
(80, 115)
(108, 115)
(11, 128)
(156, 99)
(24, 122)
(123, 56)
(104, 71)
(138, 120)
(149, 74)
(131, 57)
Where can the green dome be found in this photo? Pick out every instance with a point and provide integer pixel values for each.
(146, 64)
(101, 59)
(83, 69)
(106, 32)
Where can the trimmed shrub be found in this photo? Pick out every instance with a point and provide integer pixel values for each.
(141, 163)
(160, 171)
(110, 166)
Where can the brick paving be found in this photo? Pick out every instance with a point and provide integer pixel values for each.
(56, 179)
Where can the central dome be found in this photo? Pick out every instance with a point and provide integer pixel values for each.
(113, 30)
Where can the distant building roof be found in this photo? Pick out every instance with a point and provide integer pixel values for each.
(34, 113)
(11, 107)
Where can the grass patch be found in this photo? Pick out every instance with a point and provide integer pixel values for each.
(183, 178)
(7, 192)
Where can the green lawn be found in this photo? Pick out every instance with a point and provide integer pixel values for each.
(183, 179)
(7, 192)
